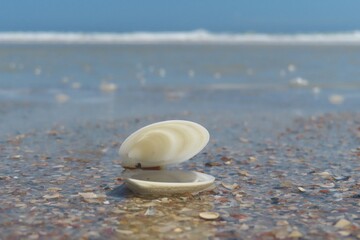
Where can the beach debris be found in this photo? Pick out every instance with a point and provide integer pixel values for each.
(53, 196)
(54, 189)
(327, 185)
(162, 72)
(275, 200)
(88, 195)
(282, 223)
(65, 79)
(250, 71)
(12, 65)
(344, 233)
(209, 215)
(230, 186)
(301, 189)
(21, 205)
(151, 69)
(191, 73)
(244, 227)
(342, 223)
(5, 177)
(217, 75)
(178, 230)
(16, 157)
(299, 82)
(150, 211)
(76, 85)
(161, 144)
(291, 68)
(213, 164)
(295, 234)
(244, 173)
(91, 197)
(282, 73)
(16, 140)
(316, 90)
(125, 232)
(325, 175)
(62, 98)
(108, 87)
(175, 95)
(336, 99)
(244, 140)
(353, 196)
(341, 178)
(37, 71)
(226, 159)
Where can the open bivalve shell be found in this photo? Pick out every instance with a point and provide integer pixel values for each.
(168, 182)
(163, 144)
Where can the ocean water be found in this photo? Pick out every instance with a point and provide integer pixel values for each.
(45, 82)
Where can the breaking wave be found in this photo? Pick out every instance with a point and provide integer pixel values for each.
(198, 36)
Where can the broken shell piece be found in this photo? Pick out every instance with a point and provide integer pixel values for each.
(159, 145)
(209, 215)
(168, 182)
(163, 143)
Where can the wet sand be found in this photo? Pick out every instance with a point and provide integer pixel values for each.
(296, 181)
(286, 160)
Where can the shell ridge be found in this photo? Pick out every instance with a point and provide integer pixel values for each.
(163, 143)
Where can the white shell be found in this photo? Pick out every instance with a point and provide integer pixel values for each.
(163, 143)
(166, 182)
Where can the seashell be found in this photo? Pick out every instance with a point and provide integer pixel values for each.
(159, 145)
(168, 182)
(209, 215)
(162, 144)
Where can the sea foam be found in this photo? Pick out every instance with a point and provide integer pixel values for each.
(198, 36)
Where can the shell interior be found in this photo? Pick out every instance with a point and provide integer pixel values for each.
(169, 182)
(163, 143)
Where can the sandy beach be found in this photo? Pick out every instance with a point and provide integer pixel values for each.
(284, 149)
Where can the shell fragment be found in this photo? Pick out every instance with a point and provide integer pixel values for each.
(209, 215)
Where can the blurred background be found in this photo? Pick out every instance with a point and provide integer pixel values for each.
(116, 59)
(279, 16)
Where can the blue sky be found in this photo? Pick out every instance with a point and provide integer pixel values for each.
(269, 16)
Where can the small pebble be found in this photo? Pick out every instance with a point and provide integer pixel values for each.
(295, 234)
(344, 233)
(54, 196)
(178, 230)
(336, 99)
(108, 87)
(62, 98)
(76, 85)
(299, 82)
(291, 67)
(209, 215)
(342, 223)
(88, 195)
(230, 186)
(301, 189)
